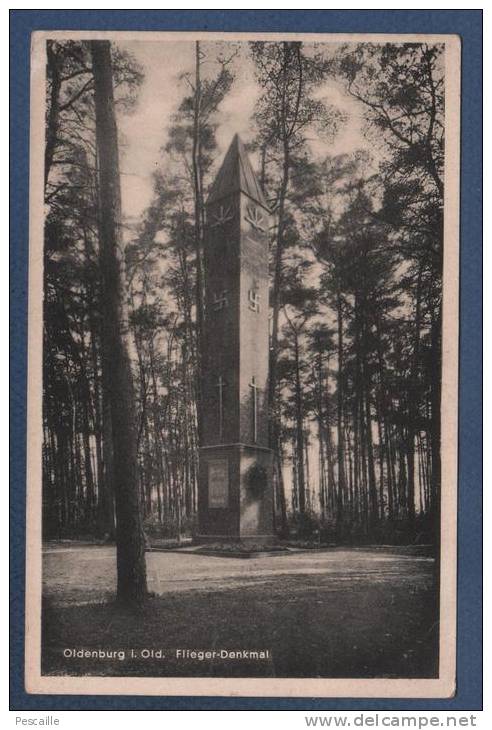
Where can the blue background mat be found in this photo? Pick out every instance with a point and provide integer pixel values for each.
(468, 25)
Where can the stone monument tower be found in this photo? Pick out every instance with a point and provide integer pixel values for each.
(235, 501)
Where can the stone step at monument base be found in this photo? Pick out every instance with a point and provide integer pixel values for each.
(246, 541)
(253, 546)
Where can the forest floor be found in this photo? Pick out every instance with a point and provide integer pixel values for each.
(343, 612)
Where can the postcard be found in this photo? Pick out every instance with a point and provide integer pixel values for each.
(243, 364)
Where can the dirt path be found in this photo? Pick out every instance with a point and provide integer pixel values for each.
(86, 574)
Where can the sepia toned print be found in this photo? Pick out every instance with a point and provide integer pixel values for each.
(243, 364)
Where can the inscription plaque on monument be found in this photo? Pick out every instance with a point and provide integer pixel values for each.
(218, 483)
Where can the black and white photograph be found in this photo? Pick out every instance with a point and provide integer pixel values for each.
(243, 364)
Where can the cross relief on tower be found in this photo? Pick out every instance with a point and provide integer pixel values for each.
(220, 385)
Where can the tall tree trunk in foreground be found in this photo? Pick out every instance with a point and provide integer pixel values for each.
(130, 541)
(199, 213)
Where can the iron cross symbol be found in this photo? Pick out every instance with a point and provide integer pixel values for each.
(254, 217)
(254, 386)
(220, 386)
(223, 216)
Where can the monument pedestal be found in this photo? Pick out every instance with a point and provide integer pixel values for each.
(235, 503)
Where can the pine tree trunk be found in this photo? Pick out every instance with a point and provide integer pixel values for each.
(299, 432)
(340, 396)
(130, 542)
(279, 481)
(436, 417)
(373, 496)
(413, 404)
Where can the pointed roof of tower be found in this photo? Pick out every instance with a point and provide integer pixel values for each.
(236, 173)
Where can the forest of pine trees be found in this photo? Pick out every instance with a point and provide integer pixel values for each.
(356, 292)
